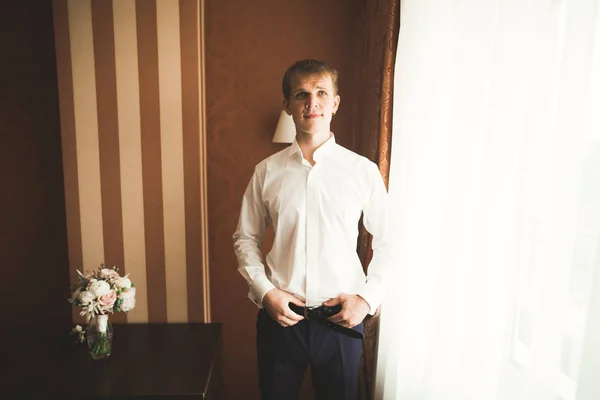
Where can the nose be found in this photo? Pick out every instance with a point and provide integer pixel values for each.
(311, 102)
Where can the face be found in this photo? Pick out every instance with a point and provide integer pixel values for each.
(312, 103)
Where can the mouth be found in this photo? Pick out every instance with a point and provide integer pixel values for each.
(312, 116)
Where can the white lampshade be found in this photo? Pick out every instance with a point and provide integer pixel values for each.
(286, 130)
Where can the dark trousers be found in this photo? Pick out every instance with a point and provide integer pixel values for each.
(285, 353)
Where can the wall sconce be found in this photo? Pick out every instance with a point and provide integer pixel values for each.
(286, 130)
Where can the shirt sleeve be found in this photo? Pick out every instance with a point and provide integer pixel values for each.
(248, 237)
(378, 222)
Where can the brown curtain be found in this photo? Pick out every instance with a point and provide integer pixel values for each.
(381, 23)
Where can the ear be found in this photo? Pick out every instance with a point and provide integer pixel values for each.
(336, 103)
(286, 107)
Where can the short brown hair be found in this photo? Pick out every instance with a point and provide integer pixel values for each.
(308, 68)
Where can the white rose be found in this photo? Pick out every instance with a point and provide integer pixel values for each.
(99, 288)
(128, 297)
(124, 283)
(85, 297)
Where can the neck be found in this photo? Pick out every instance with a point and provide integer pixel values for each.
(309, 143)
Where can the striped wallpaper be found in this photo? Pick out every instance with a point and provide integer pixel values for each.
(131, 94)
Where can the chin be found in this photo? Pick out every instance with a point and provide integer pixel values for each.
(313, 128)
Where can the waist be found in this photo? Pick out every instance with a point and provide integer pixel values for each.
(320, 311)
(314, 287)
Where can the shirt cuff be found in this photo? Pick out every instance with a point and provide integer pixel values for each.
(373, 295)
(259, 288)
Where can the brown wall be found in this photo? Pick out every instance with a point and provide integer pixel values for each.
(133, 149)
(33, 243)
(248, 47)
(249, 44)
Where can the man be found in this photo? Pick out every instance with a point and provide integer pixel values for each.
(314, 193)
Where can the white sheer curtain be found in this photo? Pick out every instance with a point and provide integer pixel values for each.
(495, 171)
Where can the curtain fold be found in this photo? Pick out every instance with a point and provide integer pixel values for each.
(381, 23)
(495, 176)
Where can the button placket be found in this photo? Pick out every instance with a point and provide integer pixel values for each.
(312, 238)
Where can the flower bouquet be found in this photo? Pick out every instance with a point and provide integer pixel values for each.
(98, 293)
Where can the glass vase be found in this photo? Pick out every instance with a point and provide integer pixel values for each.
(99, 337)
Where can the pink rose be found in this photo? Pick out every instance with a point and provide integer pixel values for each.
(108, 299)
(109, 273)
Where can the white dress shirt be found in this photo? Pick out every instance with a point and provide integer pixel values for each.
(315, 212)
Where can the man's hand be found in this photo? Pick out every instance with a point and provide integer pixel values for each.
(276, 303)
(354, 309)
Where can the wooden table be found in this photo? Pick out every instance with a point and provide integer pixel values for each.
(147, 361)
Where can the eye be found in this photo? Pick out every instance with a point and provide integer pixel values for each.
(322, 93)
(300, 95)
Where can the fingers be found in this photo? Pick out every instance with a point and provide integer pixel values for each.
(286, 321)
(289, 316)
(343, 318)
(335, 301)
(293, 316)
(297, 301)
(354, 309)
(276, 303)
(345, 314)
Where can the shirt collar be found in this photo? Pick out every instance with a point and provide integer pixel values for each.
(323, 150)
(294, 148)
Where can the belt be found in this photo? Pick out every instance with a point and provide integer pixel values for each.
(321, 314)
